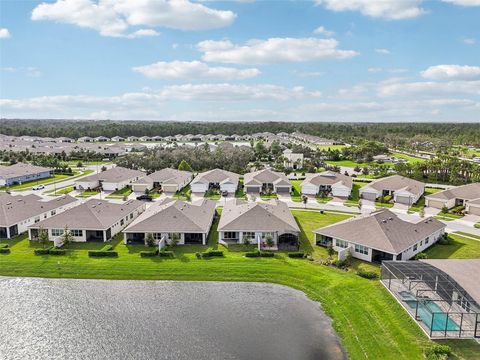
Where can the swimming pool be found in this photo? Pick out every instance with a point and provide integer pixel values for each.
(428, 310)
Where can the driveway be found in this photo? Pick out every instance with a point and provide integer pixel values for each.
(469, 219)
(402, 208)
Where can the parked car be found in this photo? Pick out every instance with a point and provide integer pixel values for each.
(38, 187)
(145, 197)
(224, 193)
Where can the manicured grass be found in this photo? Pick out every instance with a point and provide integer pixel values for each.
(383, 205)
(183, 194)
(60, 191)
(240, 193)
(347, 163)
(268, 197)
(369, 321)
(460, 248)
(355, 195)
(87, 193)
(297, 190)
(409, 158)
(420, 204)
(448, 216)
(50, 180)
(477, 225)
(468, 234)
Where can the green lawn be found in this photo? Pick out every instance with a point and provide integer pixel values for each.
(467, 234)
(118, 194)
(420, 204)
(347, 163)
(460, 248)
(60, 191)
(369, 321)
(240, 193)
(409, 158)
(355, 196)
(183, 194)
(331, 147)
(50, 180)
(297, 190)
(87, 193)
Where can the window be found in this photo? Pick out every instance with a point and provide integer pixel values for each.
(228, 235)
(249, 235)
(57, 232)
(45, 215)
(53, 212)
(131, 216)
(415, 247)
(341, 243)
(361, 249)
(77, 233)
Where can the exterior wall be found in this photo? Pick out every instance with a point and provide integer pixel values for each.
(472, 209)
(171, 188)
(79, 185)
(282, 189)
(310, 189)
(405, 198)
(24, 178)
(141, 187)
(341, 191)
(368, 195)
(253, 188)
(258, 234)
(231, 188)
(410, 252)
(438, 204)
(199, 187)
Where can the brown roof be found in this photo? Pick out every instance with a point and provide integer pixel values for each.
(273, 215)
(382, 230)
(175, 216)
(397, 183)
(466, 192)
(464, 271)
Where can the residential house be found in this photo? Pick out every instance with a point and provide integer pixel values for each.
(292, 160)
(63, 139)
(327, 182)
(101, 139)
(85, 139)
(266, 180)
(473, 207)
(19, 173)
(132, 138)
(450, 198)
(118, 139)
(403, 190)
(216, 178)
(92, 221)
(18, 212)
(171, 219)
(380, 236)
(112, 179)
(253, 222)
(168, 180)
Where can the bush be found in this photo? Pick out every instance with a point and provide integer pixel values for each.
(3, 246)
(208, 254)
(56, 251)
(148, 253)
(257, 253)
(421, 255)
(438, 352)
(41, 251)
(445, 240)
(106, 251)
(4, 250)
(166, 254)
(297, 254)
(367, 274)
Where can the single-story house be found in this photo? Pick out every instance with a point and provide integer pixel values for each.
(85, 139)
(112, 179)
(216, 178)
(329, 182)
(292, 160)
(169, 180)
(253, 222)
(173, 219)
(473, 207)
(118, 139)
(18, 212)
(94, 220)
(458, 196)
(402, 189)
(101, 139)
(19, 173)
(380, 236)
(132, 138)
(264, 180)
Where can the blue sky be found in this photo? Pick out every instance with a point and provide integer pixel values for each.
(323, 60)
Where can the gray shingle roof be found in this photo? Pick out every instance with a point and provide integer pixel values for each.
(273, 215)
(93, 214)
(217, 176)
(382, 230)
(175, 216)
(327, 178)
(21, 169)
(265, 176)
(167, 176)
(396, 183)
(115, 174)
(466, 192)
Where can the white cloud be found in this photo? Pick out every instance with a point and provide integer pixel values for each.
(451, 72)
(375, 70)
(382, 51)
(387, 9)
(273, 50)
(309, 73)
(4, 33)
(29, 71)
(469, 41)
(322, 31)
(352, 91)
(143, 33)
(115, 18)
(463, 2)
(193, 70)
(427, 88)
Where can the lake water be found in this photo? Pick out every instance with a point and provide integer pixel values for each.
(101, 319)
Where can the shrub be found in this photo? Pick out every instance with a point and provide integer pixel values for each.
(4, 250)
(166, 254)
(438, 352)
(56, 251)
(421, 255)
(148, 253)
(297, 254)
(257, 253)
(367, 274)
(41, 251)
(106, 251)
(445, 240)
(3, 246)
(209, 254)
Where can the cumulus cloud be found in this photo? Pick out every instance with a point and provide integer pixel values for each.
(193, 70)
(322, 31)
(382, 51)
(115, 18)
(428, 88)
(463, 2)
(273, 50)
(387, 9)
(451, 72)
(469, 41)
(4, 33)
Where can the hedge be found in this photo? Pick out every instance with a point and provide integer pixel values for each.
(4, 250)
(56, 251)
(367, 274)
(42, 251)
(106, 251)
(258, 253)
(297, 254)
(3, 246)
(209, 254)
(149, 253)
(166, 254)
(438, 352)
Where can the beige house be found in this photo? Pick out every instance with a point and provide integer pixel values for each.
(168, 219)
(402, 189)
(168, 180)
(459, 196)
(266, 180)
(292, 160)
(216, 178)
(253, 222)
(112, 179)
(19, 173)
(328, 181)
(380, 236)
(473, 207)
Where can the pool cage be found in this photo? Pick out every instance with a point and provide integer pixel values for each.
(441, 307)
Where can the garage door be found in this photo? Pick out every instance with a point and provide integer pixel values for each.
(139, 188)
(474, 210)
(283, 189)
(252, 189)
(169, 188)
(403, 200)
(369, 196)
(435, 203)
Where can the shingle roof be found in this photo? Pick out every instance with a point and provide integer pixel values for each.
(21, 169)
(265, 176)
(14, 209)
(175, 216)
(397, 183)
(327, 178)
(466, 192)
(93, 214)
(170, 176)
(273, 215)
(217, 176)
(382, 230)
(115, 174)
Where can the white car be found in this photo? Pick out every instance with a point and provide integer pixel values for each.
(38, 187)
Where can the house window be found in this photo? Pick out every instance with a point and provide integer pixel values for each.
(361, 249)
(229, 235)
(249, 235)
(267, 234)
(341, 243)
(57, 232)
(157, 236)
(53, 212)
(44, 216)
(415, 247)
(131, 216)
(77, 233)
(421, 243)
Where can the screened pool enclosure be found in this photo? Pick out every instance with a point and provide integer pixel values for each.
(442, 307)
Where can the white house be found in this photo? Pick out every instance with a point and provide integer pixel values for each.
(459, 196)
(112, 179)
(168, 180)
(402, 189)
(329, 182)
(292, 160)
(216, 178)
(266, 180)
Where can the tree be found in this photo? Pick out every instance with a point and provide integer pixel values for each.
(43, 238)
(330, 250)
(79, 164)
(184, 166)
(246, 240)
(269, 240)
(174, 239)
(150, 241)
(444, 209)
(67, 236)
(304, 200)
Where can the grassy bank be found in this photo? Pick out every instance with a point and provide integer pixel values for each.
(370, 323)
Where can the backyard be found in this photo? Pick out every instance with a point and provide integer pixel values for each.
(370, 323)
